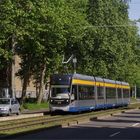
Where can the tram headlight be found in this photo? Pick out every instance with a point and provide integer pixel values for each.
(67, 100)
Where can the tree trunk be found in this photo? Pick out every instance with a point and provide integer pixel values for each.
(48, 90)
(13, 44)
(24, 88)
(42, 86)
(37, 90)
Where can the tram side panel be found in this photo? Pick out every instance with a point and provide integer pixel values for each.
(100, 100)
(111, 99)
(126, 96)
(85, 99)
(120, 97)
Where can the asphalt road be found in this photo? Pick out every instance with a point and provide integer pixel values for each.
(121, 126)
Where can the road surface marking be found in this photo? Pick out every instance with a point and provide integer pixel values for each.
(114, 134)
(135, 124)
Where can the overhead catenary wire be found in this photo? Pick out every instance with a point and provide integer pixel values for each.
(110, 26)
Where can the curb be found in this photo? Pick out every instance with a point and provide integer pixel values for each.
(23, 116)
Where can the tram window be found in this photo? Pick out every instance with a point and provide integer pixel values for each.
(119, 91)
(74, 91)
(86, 92)
(100, 92)
(91, 92)
(59, 90)
(110, 93)
(126, 93)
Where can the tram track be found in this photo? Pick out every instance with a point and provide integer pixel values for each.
(43, 121)
(7, 125)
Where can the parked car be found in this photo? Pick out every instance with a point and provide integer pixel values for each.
(9, 106)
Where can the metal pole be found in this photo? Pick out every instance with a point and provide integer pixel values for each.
(74, 62)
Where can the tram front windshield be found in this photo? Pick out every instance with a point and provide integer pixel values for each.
(60, 92)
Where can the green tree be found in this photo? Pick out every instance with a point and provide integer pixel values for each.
(43, 46)
(112, 40)
(11, 31)
(64, 28)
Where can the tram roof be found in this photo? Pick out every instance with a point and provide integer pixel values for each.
(125, 83)
(109, 81)
(91, 78)
(99, 79)
(118, 82)
(83, 77)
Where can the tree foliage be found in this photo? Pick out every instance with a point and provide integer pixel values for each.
(99, 33)
(112, 41)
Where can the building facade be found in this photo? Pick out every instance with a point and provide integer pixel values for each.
(5, 82)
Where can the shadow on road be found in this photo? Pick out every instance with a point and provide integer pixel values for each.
(116, 121)
(83, 133)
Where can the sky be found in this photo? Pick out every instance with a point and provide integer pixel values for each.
(134, 10)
